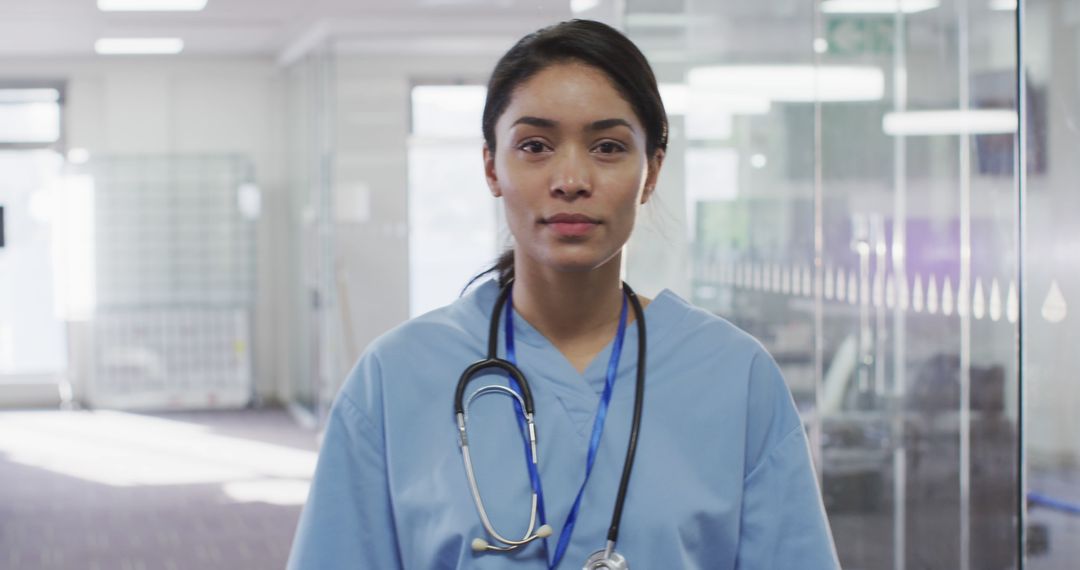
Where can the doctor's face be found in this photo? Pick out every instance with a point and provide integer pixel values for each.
(571, 164)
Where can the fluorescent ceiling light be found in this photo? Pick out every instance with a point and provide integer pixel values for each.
(877, 6)
(916, 123)
(29, 95)
(1003, 5)
(138, 46)
(792, 83)
(681, 99)
(151, 5)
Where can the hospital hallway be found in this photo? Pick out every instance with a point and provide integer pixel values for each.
(121, 491)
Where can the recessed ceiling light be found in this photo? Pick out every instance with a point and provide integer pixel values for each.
(151, 5)
(139, 46)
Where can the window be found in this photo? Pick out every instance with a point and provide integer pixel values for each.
(30, 115)
(452, 218)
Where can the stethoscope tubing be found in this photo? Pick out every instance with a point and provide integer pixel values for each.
(491, 361)
(635, 423)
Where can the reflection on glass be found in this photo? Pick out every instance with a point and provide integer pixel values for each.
(863, 224)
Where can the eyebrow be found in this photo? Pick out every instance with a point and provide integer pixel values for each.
(600, 125)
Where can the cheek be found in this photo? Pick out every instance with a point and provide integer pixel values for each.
(519, 188)
(517, 209)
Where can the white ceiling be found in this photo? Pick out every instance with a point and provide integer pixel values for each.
(275, 28)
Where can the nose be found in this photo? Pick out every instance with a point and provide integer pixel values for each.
(570, 177)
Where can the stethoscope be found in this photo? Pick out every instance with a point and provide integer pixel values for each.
(605, 558)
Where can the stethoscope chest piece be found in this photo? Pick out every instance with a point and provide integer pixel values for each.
(601, 560)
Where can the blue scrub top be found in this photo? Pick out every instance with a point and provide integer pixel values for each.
(723, 476)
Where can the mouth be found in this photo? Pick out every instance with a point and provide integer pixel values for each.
(571, 225)
(570, 219)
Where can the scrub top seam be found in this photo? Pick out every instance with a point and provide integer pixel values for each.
(772, 451)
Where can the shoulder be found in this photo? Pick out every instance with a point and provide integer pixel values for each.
(713, 356)
(693, 331)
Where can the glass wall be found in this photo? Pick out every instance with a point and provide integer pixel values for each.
(309, 104)
(1051, 97)
(853, 200)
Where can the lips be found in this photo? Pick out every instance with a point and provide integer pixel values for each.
(571, 225)
(570, 219)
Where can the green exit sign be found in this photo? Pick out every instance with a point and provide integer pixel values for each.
(855, 35)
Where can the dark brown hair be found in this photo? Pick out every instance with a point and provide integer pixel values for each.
(588, 42)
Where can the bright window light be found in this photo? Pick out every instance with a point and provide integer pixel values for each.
(447, 110)
(579, 6)
(1003, 5)
(676, 98)
(926, 123)
(29, 122)
(74, 263)
(452, 221)
(877, 6)
(792, 83)
(139, 46)
(151, 5)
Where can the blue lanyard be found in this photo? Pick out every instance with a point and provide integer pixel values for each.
(534, 474)
(594, 441)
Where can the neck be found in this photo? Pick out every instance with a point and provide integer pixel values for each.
(569, 306)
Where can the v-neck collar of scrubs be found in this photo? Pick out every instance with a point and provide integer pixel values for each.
(547, 369)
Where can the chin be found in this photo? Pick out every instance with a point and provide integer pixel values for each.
(579, 262)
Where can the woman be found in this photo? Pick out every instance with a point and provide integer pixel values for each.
(719, 475)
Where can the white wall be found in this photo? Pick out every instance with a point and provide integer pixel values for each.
(372, 130)
(136, 105)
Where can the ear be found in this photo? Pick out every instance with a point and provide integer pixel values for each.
(489, 172)
(652, 174)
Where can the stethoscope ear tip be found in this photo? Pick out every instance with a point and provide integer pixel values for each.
(479, 545)
(544, 531)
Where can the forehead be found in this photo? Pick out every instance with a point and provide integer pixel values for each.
(571, 93)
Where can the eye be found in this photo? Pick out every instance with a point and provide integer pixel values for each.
(532, 147)
(609, 147)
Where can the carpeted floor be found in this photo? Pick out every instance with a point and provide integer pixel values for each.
(116, 491)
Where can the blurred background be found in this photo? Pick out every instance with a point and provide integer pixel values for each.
(209, 208)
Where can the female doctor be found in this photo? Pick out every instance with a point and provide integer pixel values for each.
(550, 418)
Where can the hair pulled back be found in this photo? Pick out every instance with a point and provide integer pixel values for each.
(582, 41)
